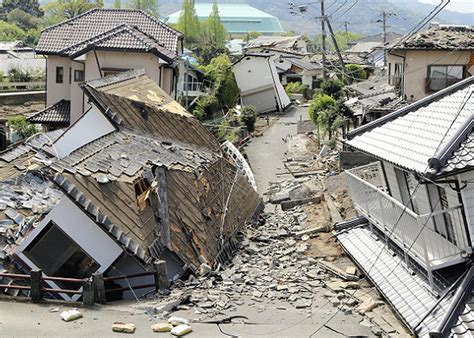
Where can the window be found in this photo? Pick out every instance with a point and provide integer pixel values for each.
(54, 252)
(78, 75)
(59, 74)
(442, 76)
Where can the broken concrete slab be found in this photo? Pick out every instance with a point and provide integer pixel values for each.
(123, 327)
(337, 271)
(181, 330)
(162, 327)
(286, 205)
(70, 315)
(367, 305)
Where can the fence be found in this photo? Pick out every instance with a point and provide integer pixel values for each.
(22, 86)
(92, 289)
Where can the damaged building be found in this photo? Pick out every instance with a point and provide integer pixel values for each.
(414, 235)
(134, 180)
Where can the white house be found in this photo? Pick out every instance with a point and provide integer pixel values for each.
(414, 238)
(259, 84)
(101, 42)
(296, 69)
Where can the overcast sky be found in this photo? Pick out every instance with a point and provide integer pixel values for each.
(464, 6)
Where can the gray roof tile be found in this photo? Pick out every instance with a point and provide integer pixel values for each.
(55, 39)
(58, 113)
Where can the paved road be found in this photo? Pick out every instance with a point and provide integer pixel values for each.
(266, 153)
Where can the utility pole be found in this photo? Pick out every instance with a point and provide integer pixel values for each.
(385, 15)
(347, 33)
(339, 55)
(323, 39)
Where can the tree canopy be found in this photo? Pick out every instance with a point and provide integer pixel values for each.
(213, 29)
(10, 32)
(148, 6)
(60, 10)
(31, 7)
(188, 23)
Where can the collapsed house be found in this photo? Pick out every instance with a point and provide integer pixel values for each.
(259, 84)
(414, 236)
(134, 180)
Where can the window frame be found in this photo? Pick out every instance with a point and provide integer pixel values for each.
(76, 77)
(59, 74)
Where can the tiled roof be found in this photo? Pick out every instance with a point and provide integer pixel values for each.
(121, 37)
(96, 22)
(123, 154)
(304, 64)
(463, 157)
(464, 327)
(58, 113)
(409, 137)
(283, 42)
(439, 38)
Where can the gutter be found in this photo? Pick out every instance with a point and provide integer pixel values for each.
(443, 154)
(463, 291)
(414, 106)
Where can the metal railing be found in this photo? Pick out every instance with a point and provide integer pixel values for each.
(413, 233)
(193, 86)
(22, 86)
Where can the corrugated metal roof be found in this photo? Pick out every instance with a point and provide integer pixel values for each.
(236, 18)
(58, 113)
(97, 21)
(408, 293)
(412, 135)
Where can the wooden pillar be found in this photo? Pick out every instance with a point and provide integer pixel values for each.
(99, 288)
(161, 276)
(35, 282)
(87, 293)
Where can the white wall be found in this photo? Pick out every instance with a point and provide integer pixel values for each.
(82, 230)
(92, 125)
(57, 91)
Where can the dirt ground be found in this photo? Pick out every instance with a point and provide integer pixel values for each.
(27, 108)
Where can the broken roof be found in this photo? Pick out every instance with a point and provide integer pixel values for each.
(390, 36)
(303, 64)
(110, 27)
(439, 37)
(364, 47)
(58, 114)
(281, 42)
(412, 136)
(132, 100)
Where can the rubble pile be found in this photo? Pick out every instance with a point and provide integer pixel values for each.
(274, 265)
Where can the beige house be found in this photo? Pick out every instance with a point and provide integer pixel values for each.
(98, 43)
(431, 60)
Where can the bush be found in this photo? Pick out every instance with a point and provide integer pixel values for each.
(206, 106)
(248, 117)
(295, 88)
(26, 75)
(225, 88)
(355, 72)
(332, 88)
(318, 104)
(21, 126)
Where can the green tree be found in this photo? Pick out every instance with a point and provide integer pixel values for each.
(31, 7)
(148, 6)
(252, 35)
(341, 40)
(225, 88)
(117, 4)
(188, 23)
(10, 32)
(21, 126)
(214, 30)
(248, 117)
(22, 19)
(59, 10)
(333, 88)
(355, 72)
(318, 104)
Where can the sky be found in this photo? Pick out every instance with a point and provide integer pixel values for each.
(463, 6)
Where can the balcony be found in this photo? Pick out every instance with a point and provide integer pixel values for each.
(413, 233)
(194, 89)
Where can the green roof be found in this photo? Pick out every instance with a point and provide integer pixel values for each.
(236, 18)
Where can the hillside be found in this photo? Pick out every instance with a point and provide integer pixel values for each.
(409, 12)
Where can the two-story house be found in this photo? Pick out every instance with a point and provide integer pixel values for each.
(101, 42)
(431, 60)
(414, 238)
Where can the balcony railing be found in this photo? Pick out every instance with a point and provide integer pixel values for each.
(193, 86)
(413, 233)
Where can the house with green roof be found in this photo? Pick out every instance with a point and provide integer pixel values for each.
(237, 16)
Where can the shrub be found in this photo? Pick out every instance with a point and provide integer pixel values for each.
(21, 126)
(318, 104)
(332, 88)
(295, 88)
(206, 106)
(26, 75)
(248, 117)
(355, 71)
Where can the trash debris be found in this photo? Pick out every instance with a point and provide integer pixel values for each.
(177, 321)
(70, 315)
(181, 330)
(162, 327)
(123, 327)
